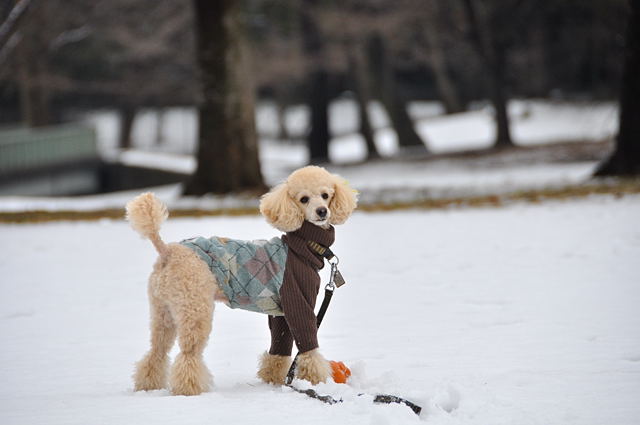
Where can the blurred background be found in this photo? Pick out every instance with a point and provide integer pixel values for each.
(230, 96)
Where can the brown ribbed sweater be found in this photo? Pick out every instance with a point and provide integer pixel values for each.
(299, 291)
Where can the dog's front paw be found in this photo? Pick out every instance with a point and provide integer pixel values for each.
(273, 368)
(313, 367)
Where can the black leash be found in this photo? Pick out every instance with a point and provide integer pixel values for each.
(336, 280)
(378, 398)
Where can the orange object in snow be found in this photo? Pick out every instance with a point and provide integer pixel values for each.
(340, 372)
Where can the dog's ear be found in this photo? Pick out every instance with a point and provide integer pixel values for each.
(344, 201)
(280, 209)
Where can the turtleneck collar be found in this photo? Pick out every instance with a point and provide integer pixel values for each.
(297, 241)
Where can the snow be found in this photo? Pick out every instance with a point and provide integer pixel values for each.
(532, 122)
(385, 181)
(525, 314)
(519, 315)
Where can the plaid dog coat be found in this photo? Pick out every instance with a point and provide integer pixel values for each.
(250, 273)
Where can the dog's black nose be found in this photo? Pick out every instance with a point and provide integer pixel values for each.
(322, 212)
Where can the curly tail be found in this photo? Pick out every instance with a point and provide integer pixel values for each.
(146, 213)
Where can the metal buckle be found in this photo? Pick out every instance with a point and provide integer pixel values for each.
(331, 286)
(335, 278)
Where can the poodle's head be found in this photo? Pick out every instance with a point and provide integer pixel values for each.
(309, 193)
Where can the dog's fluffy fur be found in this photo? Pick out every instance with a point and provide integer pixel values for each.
(182, 289)
(273, 368)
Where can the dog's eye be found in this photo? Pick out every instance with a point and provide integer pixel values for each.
(325, 196)
(304, 199)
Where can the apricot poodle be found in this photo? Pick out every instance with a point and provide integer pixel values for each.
(278, 277)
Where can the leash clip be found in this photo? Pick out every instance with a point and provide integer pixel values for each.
(335, 277)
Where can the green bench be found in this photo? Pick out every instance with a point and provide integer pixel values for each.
(23, 150)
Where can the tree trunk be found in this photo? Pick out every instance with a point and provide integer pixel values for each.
(127, 117)
(499, 100)
(227, 157)
(318, 138)
(408, 138)
(35, 99)
(318, 101)
(362, 89)
(625, 160)
(494, 59)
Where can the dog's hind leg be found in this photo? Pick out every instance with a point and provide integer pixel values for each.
(151, 372)
(189, 374)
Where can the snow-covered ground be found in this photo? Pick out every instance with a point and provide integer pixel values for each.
(519, 315)
(384, 181)
(532, 122)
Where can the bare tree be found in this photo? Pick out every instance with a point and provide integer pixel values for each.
(437, 58)
(389, 94)
(362, 31)
(318, 81)
(493, 54)
(128, 53)
(151, 56)
(227, 157)
(277, 50)
(25, 36)
(361, 82)
(625, 160)
(347, 27)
